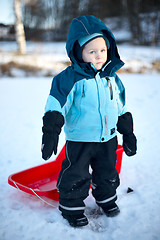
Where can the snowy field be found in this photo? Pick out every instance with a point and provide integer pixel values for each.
(50, 58)
(26, 217)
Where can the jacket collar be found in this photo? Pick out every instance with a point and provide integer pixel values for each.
(88, 70)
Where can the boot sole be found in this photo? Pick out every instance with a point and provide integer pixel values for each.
(81, 223)
(112, 213)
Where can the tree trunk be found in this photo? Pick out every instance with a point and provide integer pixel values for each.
(20, 35)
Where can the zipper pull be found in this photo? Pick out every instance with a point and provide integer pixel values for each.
(83, 95)
(110, 88)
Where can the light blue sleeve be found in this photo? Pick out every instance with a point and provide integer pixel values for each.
(52, 104)
(69, 102)
(121, 109)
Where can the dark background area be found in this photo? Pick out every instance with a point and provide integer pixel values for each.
(49, 20)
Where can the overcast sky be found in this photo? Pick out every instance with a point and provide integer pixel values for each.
(6, 12)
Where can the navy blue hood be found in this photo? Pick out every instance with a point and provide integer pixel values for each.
(83, 26)
(86, 25)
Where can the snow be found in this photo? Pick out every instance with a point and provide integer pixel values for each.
(50, 58)
(23, 216)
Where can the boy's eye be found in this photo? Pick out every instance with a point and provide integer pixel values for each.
(92, 52)
(103, 50)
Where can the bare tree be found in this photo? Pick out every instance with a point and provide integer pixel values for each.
(36, 13)
(20, 35)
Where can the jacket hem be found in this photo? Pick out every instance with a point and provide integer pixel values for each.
(86, 138)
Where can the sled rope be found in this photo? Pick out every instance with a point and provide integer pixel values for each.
(52, 205)
(16, 185)
(42, 199)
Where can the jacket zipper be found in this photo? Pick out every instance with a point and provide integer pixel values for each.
(99, 108)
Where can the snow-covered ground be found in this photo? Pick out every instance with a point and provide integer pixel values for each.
(26, 217)
(50, 58)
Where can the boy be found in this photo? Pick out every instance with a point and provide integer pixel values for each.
(88, 98)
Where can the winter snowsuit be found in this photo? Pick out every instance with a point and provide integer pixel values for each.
(90, 102)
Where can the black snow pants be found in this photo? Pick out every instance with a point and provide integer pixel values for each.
(75, 179)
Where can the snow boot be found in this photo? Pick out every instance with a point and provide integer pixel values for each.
(111, 210)
(76, 220)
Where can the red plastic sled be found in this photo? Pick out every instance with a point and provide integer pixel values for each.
(41, 180)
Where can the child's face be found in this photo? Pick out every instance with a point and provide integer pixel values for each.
(95, 52)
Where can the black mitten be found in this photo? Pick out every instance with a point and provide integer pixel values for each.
(125, 123)
(130, 144)
(125, 127)
(52, 124)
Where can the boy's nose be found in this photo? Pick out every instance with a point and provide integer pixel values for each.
(98, 55)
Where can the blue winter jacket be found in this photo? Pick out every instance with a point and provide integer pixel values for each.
(89, 100)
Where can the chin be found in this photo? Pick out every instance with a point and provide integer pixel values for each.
(98, 68)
